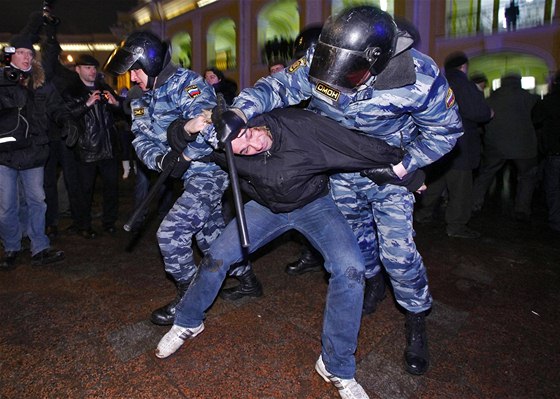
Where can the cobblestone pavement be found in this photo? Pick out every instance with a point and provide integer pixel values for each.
(80, 329)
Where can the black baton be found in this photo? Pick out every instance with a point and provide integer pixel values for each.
(220, 108)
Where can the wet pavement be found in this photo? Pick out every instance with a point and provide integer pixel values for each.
(81, 329)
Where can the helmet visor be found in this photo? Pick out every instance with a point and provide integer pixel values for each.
(341, 68)
(120, 61)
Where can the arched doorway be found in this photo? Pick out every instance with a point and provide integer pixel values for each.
(181, 49)
(221, 44)
(534, 70)
(278, 25)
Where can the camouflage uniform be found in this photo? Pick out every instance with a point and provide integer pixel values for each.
(198, 211)
(415, 110)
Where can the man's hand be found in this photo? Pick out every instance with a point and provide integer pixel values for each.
(177, 136)
(412, 181)
(70, 133)
(175, 160)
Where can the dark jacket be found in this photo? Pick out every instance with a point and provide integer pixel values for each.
(97, 132)
(546, 116)
(511, 134)
(474, 111)
(39, 102)
(228, 88)
(305, 147)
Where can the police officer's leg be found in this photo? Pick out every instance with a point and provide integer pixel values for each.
(350, 195)
(188, 216)
(392, 208)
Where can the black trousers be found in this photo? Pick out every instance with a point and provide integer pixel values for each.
(108, 170)
(60, 154)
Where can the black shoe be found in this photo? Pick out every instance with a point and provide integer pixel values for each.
(9, 261)
(165, 315)
(52, 232)
(47, 256)
(416, 354)
(90, 233)
(248, 286)
(374, 293)
(309, 261)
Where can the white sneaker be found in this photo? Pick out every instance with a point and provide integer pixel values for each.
(348, 389)
(175, 338)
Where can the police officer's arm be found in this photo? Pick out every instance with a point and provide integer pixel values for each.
(439, 126)
(280, 90)
(193, 100)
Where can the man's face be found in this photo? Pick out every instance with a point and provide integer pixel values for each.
(252, 141)
(139, 77)
(276, 68)
(22, 58)
(88, 73)
(211, 78)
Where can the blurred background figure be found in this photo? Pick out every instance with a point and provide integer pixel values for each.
(221, 84)
(454, 171)
(510, 136)
(546, 116)
(276, 65)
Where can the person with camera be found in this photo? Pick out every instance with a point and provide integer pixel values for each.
(92, 103)
(27, 101)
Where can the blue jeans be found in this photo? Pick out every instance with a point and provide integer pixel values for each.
(34, 195)
(326, 229)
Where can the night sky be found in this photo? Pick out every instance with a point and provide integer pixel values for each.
(77, 16)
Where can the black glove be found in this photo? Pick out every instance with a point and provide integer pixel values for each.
(70, 133)
(177, 137)
(175, 160)
(381, 176)
(227, 125)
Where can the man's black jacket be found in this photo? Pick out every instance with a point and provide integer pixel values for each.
(306, 148)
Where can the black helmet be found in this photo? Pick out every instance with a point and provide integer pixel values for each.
(306, 38)
(356, 42)
(141, 50)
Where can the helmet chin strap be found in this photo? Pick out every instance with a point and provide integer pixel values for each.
(150, 82)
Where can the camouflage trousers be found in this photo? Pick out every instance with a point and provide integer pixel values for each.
(381, 218)
(196, 213)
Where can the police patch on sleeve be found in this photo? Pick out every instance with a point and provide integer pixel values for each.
(193, 91)
(138, 111)
(328, 91)
(449, 98)
(295, 66)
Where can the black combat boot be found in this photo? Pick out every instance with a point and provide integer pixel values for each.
(165, 315)
(374, 293)
(248, 285)
(416, 355)
(309, 261)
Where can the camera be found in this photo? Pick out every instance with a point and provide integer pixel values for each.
(10, 73)
(48, 17)
(103, 97)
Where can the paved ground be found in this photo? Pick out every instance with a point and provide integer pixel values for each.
(80, 329)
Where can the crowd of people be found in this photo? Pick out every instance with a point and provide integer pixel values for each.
(359, 129)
